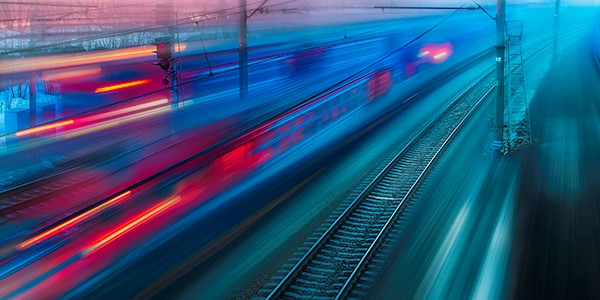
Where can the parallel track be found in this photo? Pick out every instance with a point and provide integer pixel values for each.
(334, 264)
(337, 263)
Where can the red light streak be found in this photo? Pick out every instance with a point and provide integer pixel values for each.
(435, 53)
(149, 214)
(50, 232)
(44, 127)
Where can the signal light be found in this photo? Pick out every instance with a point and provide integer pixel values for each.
(163, 47)
(164, 53)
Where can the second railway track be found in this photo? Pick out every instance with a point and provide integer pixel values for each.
(335, 263)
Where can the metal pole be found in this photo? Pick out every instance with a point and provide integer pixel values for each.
(173, 75)
(556, 9)
(500, 58)
(243, 64)
(178, 63)
(32, 79)
(174, 54)
(32, 100)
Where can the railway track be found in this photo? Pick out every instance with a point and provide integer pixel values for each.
(334, 265)
(343, 260)
(69, 183)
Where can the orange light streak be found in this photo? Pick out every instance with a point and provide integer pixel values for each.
(115, 87)
(10, 66)
(67, 73)
(63, 61)
(44, 127)
(46, 234)
(180, 47)
(152, 212)
(127, 110)
(119, 121)
(91, 129)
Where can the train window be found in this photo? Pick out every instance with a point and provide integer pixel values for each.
(284, 144)
(287, 126)
(309, 116)
(309, 130)
(325, 116)
(297, 136)
(335, 113)
(300, 120)
(311, 122)
(344, 109)
(283, 129)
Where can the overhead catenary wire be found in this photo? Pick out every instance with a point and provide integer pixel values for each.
(204, 50)
(324, 91)
(272, 59)
(189, 20)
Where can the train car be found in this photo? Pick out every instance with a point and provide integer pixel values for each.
(90, 84)
(310, 129)
(96, 79)
(274, 139)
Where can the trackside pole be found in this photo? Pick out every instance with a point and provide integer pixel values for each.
(556, 11)
(243, 57)
(500, 82)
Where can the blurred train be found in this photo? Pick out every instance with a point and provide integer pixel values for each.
(94, 83)
(301, 128)
(105, 80)
(381, 72)
(303, 132)
(107, 129)
(268, 158)
(280, 135)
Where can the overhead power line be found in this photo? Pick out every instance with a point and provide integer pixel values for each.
(47, 4)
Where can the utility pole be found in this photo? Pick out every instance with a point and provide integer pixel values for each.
(165, 16)
(556, 9)
(32, 80)
(500, 59)
(174, 58)
(243, 52)
(499, 123)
